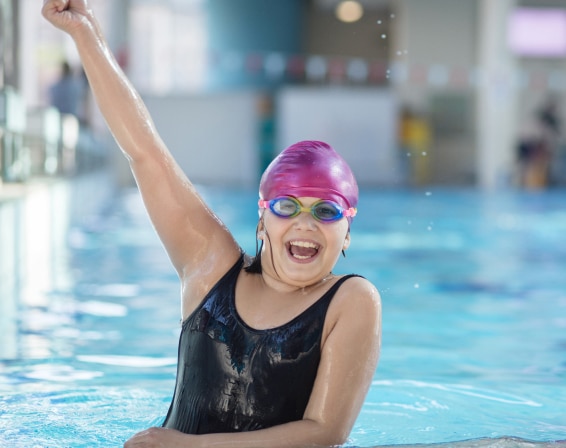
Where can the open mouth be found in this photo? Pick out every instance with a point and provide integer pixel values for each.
(303, 250)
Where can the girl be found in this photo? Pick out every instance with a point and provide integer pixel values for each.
(275, 350)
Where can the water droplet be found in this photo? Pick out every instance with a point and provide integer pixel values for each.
(384, 36)
(428, 193)
(392, 16)
(429, 228)
(416, 286)
(379, 22)
(424, 153)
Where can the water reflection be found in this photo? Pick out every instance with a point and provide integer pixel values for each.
(9, 277)
(34, 265)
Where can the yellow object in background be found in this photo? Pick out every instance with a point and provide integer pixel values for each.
(415, 138)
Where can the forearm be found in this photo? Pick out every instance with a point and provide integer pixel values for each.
(299, 434)
(120, 104)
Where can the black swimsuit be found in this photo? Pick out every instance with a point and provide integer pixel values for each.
(231, 377)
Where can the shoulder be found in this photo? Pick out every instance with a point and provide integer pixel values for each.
(358, 290)
(354, 318)
(357, 300)
(198, 283)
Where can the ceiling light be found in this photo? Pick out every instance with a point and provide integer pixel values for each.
(349, 11)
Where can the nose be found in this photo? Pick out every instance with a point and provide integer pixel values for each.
(305, 220)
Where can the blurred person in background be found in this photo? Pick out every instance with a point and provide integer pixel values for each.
(551, 130)
(540, 147)
(67, 93)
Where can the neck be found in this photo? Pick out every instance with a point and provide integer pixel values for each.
(306, 289)
(275, 282)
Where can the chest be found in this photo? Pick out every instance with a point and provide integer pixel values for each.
(217, 332)
(262, 308)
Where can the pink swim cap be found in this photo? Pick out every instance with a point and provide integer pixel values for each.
(310, 168)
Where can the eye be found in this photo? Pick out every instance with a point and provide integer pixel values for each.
(285, 207)
(327, 211)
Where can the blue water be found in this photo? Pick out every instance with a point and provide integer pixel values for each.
(474, 315)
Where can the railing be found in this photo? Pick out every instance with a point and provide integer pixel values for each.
(14, 159)
(41, 142)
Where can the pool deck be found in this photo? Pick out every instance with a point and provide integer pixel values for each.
(10, 191)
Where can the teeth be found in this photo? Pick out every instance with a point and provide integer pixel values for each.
(304, 244)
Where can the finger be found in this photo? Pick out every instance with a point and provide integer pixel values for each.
(58, 5)
(139, 436)
(61, 5)
(51, 7)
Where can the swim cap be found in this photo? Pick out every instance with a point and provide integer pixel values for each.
(310, 168)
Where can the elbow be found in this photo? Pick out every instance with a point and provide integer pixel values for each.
(332, 436)
(333, 440)
(336, 442)
(338, 439)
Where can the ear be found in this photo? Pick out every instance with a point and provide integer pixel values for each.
(346, 241)
(260, 230)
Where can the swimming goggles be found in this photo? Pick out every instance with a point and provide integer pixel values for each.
(323, 210)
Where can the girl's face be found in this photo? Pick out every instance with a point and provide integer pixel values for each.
(301, 251)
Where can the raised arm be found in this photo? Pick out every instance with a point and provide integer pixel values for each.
(199, 246)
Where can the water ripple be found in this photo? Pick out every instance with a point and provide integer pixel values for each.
(462, 389)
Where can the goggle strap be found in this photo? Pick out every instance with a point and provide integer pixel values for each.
(351, 212)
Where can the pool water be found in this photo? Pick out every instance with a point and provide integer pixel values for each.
(474, 315)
